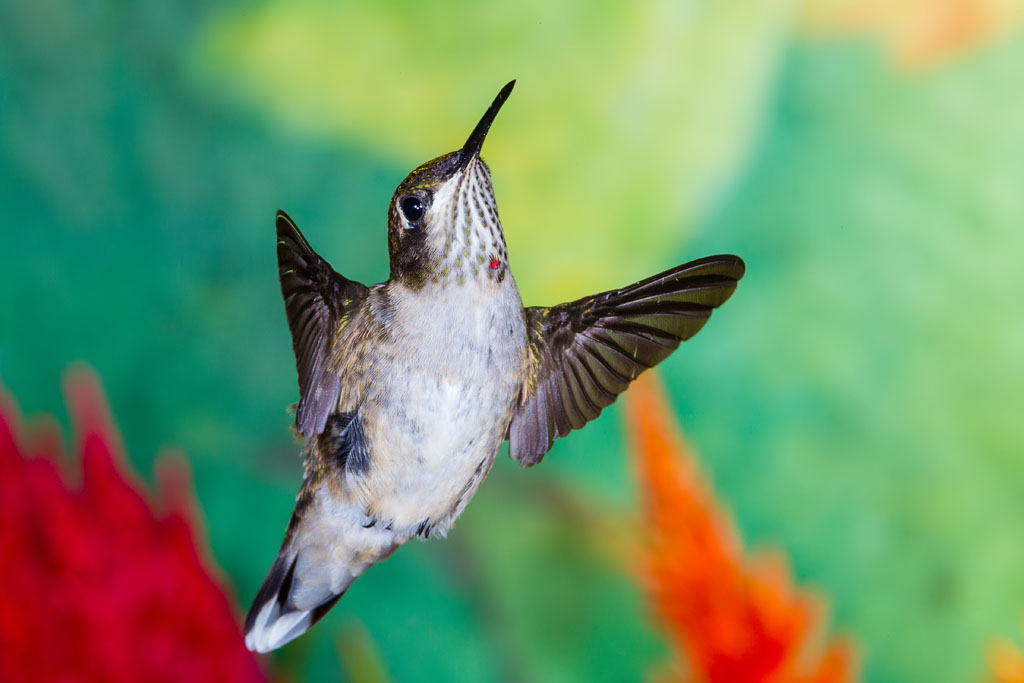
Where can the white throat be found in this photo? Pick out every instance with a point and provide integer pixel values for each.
(466, 231)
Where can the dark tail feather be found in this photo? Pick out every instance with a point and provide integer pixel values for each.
(276, 617)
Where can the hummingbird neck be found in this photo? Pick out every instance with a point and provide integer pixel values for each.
(472, 244)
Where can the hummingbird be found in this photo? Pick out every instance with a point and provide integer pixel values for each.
(408, 388)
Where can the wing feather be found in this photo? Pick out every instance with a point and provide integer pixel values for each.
(586, 352)
(317, 301)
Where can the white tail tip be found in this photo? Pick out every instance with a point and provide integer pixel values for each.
(271, 629)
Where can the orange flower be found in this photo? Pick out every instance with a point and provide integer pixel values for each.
(731, 620)
(918, 33)
(1006, 662)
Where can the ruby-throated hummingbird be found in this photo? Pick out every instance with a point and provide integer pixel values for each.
(408, 388)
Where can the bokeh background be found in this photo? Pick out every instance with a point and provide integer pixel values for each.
(857, 404)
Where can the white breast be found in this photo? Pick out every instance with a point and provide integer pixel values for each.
(436, 421)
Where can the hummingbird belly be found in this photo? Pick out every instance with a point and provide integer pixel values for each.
(436, 419)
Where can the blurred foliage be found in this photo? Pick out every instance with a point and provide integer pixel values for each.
(671, 90)
(856, 403)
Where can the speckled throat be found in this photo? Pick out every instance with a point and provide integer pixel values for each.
(472, 244)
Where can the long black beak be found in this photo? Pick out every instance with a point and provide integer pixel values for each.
(475, 141)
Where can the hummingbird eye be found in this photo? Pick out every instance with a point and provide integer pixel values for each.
(412, 208)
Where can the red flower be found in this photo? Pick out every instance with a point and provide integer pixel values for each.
(731, 620)
(96, 586)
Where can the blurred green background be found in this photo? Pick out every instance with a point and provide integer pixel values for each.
(858, 402)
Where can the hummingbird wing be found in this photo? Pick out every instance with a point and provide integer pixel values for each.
(586, 352)
(317, 301)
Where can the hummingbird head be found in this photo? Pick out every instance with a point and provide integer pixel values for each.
(443, 220)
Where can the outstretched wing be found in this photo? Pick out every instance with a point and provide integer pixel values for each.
(585, 353)
(317, 301)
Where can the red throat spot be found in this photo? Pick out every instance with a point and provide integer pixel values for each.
(495, 263)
